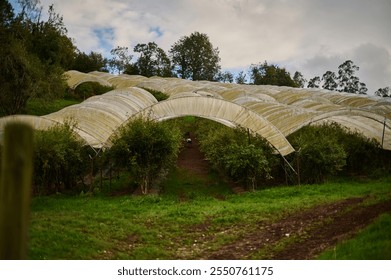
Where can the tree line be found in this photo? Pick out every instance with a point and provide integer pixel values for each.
(36, 52)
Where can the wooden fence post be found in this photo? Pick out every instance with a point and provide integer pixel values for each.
(15, 190)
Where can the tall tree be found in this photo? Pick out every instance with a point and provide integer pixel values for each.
(50, 42)
(348, 82)
(299, 80)
(121, 59)
(225, 77)
(241, 78)
(314, 82)
(33, 56)
(30, 9)
(90, 62)
(330, 81)
(18, 74)
(384, 92)
(194, 57)
(6, 17)
(153, 60)
(265, 74)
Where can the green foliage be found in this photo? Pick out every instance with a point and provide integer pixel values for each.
(121, 59)
(160, 96)
(246, 162)
(347, 81)
(329, 80)
(17, 77)
(243, 157)
(194, 57)
(40, 107)
(329, 149)
(299, 79)
(49, 41)
(265, 74)
(89, 62)
(153, 61)
(314, 82)
(363, 154)
(88, 89)
(384, 92)
(372, 243)
(225, 77)
(33, 56)
(241, 78)
(59, 159)
(319, 153)
(148, 149)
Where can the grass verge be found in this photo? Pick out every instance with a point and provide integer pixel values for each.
(372, 243)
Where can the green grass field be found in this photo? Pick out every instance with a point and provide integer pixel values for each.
(372, 243)
(190, 215)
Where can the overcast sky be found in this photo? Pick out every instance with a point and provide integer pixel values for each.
(311, 36)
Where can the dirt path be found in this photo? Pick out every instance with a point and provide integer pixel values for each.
(310, 232)
(192, 159)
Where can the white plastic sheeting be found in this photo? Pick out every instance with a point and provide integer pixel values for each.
(98, 117)
(271, 111)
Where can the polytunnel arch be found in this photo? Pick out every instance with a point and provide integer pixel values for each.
(222, 111)
(271, 111)
(369, 124)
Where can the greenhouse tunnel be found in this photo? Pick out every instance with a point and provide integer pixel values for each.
(272, 112)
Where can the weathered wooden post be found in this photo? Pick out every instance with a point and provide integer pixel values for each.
(15, 190)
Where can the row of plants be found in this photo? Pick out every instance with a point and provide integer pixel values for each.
(235, 152)
(322, 152)
(147, 150)
(328, 150)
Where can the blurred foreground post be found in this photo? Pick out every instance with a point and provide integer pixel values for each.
(15, 190)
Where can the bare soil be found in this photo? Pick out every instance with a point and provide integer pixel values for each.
(303, 235)
(307, 233)
(192, 159)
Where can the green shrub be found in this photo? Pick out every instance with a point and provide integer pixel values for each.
(331, 149)
(59, 159)
(244, 157)
(88, 89)
(148, 149)
(362, 153)
(160, 96)
(319, 152)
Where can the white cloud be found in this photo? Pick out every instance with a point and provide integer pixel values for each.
(375, 65)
